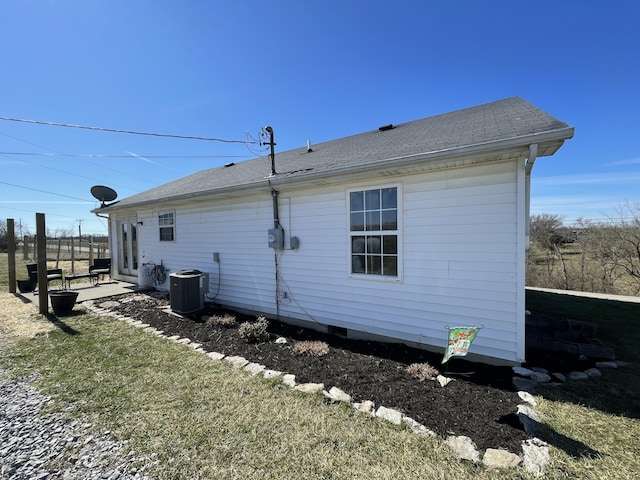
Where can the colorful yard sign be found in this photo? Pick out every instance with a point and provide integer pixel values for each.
(460, 339)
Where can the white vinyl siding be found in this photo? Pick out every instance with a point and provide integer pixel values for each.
(458, 238)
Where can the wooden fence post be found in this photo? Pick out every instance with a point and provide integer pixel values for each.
(11, 253)
(25, 247)
(73, 258)
(58, 254)
(43, 288)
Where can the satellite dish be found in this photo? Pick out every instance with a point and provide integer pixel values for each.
(104, 194)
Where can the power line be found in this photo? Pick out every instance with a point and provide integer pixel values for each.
(114, 130)
(96, 155)
(45, 191)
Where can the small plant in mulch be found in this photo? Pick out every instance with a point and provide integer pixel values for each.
(422, 371)
(254, 332)
(226, 320)
(308, 347)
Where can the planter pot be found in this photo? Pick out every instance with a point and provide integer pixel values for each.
(62, 301)
(25, 285)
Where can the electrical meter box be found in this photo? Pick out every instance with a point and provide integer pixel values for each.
(276, 238)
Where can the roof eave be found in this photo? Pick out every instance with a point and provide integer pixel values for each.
(558, 135)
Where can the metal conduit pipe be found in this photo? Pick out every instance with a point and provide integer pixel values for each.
(531, 159)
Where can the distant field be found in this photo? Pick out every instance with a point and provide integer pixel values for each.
(570, 269)
(21, 269)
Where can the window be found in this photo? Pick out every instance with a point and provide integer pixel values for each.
(165, 221)
(374, 231)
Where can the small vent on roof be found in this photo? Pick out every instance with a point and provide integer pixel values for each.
(309, 149)
(230, 164)
(384, 128)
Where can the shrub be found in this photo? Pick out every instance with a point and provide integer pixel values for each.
(254, 332)
(225, 320)
(309, 347)
(422, 371)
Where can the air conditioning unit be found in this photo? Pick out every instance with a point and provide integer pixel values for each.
(187, 289)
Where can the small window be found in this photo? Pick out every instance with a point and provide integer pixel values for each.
(165, 222)
(374, 231)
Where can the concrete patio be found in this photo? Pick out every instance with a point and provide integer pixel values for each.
(89, 291)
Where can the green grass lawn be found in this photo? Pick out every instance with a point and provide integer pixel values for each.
(207, 420)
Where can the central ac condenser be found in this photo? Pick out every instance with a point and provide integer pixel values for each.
(187, 289)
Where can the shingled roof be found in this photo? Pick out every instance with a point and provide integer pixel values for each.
(508, 122)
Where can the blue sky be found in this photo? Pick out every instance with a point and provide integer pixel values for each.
(314, 70)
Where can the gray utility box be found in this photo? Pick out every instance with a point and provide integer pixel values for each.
(187, 289)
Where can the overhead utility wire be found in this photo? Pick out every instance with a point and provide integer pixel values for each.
(97, 155)
(45, 191)
(114, 130)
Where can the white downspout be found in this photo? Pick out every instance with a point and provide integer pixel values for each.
(533, 154)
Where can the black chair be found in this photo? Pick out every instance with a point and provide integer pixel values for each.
(32, 270)
(52, 274)
(101, 266)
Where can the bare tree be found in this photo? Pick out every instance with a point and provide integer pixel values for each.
(3, 235)
(623, 251)
(545, 230)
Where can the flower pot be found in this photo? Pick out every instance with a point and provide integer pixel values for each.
(62, 301)
(25, 285)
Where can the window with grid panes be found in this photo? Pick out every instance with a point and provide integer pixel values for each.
(374, 231)
(165, 222)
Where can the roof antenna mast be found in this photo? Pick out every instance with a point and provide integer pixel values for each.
(272, 144)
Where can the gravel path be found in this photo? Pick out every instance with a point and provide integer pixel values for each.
(56, 446)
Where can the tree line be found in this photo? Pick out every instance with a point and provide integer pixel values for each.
(589, 256)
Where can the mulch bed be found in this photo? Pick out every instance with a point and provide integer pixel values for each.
(481, 405)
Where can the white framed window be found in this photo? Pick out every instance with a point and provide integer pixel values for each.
(166, 226)
(373, 232)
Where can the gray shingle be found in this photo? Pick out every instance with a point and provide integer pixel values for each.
(486, 124)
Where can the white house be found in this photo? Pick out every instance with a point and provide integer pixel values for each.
(394, 233)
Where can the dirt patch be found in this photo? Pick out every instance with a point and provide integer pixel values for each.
(19, 320)
(481, 404)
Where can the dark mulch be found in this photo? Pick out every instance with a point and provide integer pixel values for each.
(481, 405)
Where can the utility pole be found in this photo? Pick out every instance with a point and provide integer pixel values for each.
(272, 144)
(80, 220)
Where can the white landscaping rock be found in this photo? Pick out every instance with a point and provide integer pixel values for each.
(593, 373)
(367, 407)
(417, 428)
(536, 456)
(215, 355)
(495, 458)
(281, 340)
(528, 418)
(389, 414)
(236, 362)
(464, 448)
(523, 372)
(527, 397)
(310, 387)
(271, 374)
(578, 376)
(337, 395)
(559, 377)
(606, 365)
(254, 368)
(524, 384)
(540, 377)
(289, 380)
(443, 381)
(540, 370)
